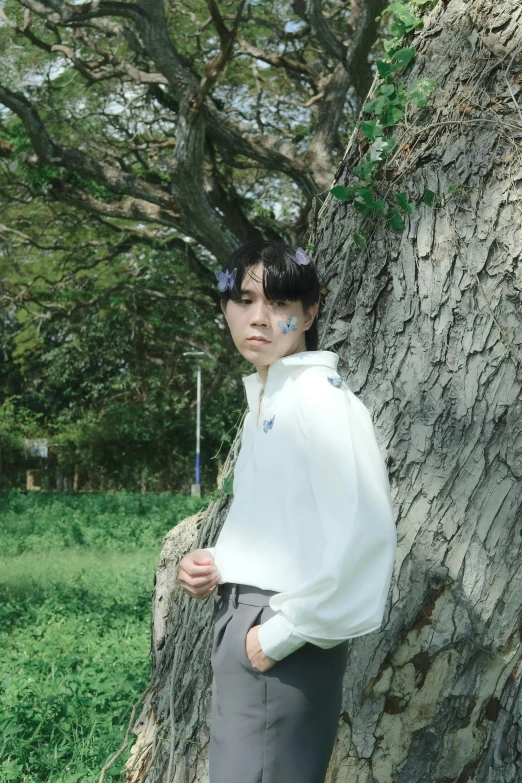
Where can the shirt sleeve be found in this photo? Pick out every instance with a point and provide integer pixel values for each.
(356, 542)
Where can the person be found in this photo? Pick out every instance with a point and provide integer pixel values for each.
(304, 559)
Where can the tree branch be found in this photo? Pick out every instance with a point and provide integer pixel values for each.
(73, 159)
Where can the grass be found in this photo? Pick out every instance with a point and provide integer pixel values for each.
(74, 627)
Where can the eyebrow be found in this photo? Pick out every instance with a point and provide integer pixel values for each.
(246, 291)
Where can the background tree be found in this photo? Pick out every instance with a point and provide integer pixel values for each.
(427, 321)
(139, 144)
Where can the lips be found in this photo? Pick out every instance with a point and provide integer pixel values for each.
(257, 340)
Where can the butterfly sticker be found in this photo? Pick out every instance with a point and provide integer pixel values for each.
(290, 325)
(301, 257)
(225, 279)
(268, 423)
(335, 381)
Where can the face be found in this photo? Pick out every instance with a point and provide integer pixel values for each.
(255, 316)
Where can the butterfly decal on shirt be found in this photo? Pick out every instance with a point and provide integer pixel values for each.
(268, 423)
(290, 325)
(225, 279)
(335, 381)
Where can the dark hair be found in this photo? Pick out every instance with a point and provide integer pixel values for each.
(283, 278)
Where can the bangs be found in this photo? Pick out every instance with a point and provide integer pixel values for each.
(283, 278)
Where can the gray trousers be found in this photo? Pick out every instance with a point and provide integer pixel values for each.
(277, 726)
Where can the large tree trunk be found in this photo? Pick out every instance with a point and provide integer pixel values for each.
(428, 325)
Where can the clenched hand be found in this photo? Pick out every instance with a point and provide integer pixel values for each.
(197, 574)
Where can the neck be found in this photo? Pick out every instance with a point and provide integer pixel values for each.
(263, 369)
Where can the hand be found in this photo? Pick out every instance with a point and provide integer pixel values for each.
(198, 575)
(255, 653)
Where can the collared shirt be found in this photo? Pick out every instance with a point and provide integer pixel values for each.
(311, 516)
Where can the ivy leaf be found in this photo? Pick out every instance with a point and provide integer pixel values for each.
(420, 90)
(397, 29)
(228, 485)
(363, 171)
(403, 56)
(403, 203)
(344, 194)
(367, 195)
(390, 144)
(386, 68)
(377, 148)
(429, 197)
(362, 208)
(393, 115)
(371, 129)
(377, 105)
(404, 14)
(394, 219)
(359, 237)
(387, 89)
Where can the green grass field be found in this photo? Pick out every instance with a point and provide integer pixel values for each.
(75, 589)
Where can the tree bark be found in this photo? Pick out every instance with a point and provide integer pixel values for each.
(429, 329)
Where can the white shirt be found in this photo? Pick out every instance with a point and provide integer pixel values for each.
(311, 515)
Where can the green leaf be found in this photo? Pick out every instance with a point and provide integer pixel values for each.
(403, 56)
(404, 14)
(403, 202)
(363, 170)
(344, 194)
(359, 237)
(453, 188)
(397, 29)
(362, 208)
(387, 89)
(429, 197)
(377, 105)
(384, 69)
(390, 143)
(228, 484)
(379, 205)
(394, 219)
(392, 117)
(420, 90)
(371, 129)
(367, 196)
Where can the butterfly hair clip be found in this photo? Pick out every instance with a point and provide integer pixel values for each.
(225, 279)
(301, 257)
(335, 381)
(290, 325)
(268, 423)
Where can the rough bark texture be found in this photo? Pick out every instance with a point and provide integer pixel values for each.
(428, 324)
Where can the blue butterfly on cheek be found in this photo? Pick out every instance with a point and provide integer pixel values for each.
(290, 325)
(268, 423)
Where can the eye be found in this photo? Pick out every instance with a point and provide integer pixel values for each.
(244, 301)
(281, 302)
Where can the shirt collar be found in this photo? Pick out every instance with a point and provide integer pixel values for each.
(279, 370)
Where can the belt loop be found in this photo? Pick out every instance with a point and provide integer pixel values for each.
(234, 596)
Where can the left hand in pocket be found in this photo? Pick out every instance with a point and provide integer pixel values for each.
(255, 653)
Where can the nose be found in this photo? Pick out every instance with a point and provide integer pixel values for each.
(260, 314)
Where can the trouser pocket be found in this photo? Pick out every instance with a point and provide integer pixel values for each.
(250, 616)
(222, 617)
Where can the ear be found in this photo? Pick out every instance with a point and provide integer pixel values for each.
(310, 315)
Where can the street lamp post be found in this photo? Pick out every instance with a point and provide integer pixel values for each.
(195, 489)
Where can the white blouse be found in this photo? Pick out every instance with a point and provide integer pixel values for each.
(311, 516)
